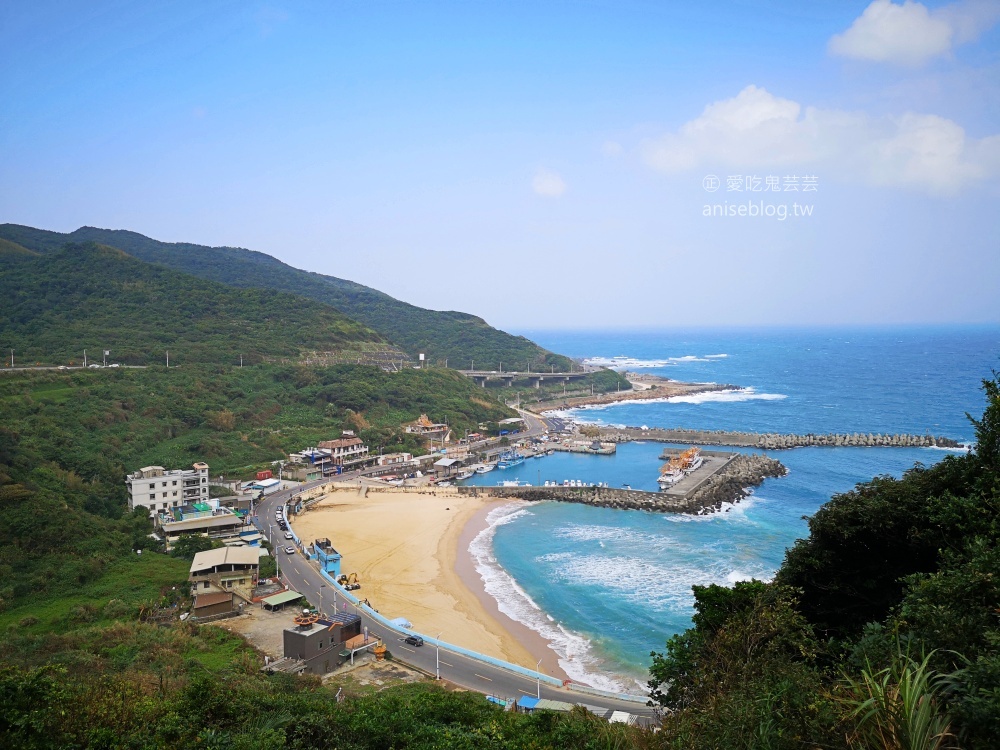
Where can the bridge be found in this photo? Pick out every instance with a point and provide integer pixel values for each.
(508, 377)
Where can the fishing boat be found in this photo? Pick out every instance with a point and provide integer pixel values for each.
(670, 478)
(690, 460)
(510, 459)
(467, 474)
(485, 468)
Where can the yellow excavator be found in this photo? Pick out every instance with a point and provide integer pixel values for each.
(350, 582)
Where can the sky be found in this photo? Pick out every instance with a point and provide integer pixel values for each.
(555, 164)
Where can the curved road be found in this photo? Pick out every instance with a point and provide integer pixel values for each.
(459, 669)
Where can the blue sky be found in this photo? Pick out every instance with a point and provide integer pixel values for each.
(540, 164)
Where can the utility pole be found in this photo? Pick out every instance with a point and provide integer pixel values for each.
(84, 359)
(11, 357)
(168, 358)
(241, 361)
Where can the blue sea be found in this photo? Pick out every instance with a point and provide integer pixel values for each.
(606, 587)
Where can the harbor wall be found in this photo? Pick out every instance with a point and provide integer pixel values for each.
(774, 441)
(728, 485)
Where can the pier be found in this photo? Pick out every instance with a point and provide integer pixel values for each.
(725, 479)
(775, 441)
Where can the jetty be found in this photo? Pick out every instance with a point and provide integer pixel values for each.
(774, 441)
(727, 481)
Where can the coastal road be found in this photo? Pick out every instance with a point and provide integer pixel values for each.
(459, 669)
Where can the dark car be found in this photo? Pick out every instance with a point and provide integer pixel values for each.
(414, 640)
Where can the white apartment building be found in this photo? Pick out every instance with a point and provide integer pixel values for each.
(157, 489)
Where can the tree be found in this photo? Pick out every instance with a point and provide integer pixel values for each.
(191, 544)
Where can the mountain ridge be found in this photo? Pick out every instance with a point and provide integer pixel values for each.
(93, 296)
(452, 337)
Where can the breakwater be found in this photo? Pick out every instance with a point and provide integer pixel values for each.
(774, 441)
(728, 485)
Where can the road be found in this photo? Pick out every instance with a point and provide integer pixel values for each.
(457, 668)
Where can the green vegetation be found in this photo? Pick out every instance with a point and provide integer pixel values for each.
(601, 381)
(455, 337)
(95, 297)
(880, 630)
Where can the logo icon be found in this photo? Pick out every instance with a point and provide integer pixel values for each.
(711, 183)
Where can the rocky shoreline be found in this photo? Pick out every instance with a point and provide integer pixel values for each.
(732, 483)
(661, 389)
(774, 441)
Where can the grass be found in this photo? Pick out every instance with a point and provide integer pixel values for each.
(135, 580)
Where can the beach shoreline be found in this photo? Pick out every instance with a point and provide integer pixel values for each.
(410, 548)
(538, 646)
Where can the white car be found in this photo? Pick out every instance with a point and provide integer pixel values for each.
(289, 550)
(288, 535)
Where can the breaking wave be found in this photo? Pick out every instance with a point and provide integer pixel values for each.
(575, 654)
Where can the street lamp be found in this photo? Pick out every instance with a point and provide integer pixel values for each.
(437, 657)
(538, 677)
(321, 587)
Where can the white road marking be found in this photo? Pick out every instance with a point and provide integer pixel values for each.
(482, 678)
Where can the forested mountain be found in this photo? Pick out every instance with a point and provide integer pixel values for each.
(457, 337)
(94, 297)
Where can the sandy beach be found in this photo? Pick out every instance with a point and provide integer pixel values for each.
(409, 548)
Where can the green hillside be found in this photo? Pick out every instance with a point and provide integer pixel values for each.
(12, 248)
(94, 297)
(454, 336)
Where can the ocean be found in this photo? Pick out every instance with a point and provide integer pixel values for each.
(607, 587)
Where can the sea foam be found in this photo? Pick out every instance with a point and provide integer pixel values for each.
(574, 652)
(634, 363)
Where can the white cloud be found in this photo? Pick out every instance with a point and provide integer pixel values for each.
(612, 148)
(548, 183)
(757, 130)
(910, 34)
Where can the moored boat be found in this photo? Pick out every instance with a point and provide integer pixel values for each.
(510, 459)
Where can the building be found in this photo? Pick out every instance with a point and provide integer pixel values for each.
(208, 519)
(157, 489)
(395, 459)
(446, 466)
(427, 429)
(209, 605)
(267, 486)
(311, 463)
(227, 570)
(346, 450)
(328, 557)
(319, 644)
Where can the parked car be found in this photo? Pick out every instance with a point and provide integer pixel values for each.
(289, 550)
(414, 640)
(288, 536)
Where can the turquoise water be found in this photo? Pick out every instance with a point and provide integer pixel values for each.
(606, 587)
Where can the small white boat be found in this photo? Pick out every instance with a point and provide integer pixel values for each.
(513, 483)
(670, 478)
(485, 468)
(465, 474)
